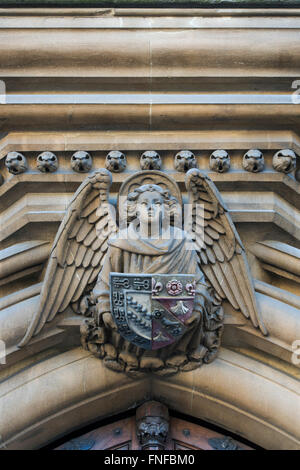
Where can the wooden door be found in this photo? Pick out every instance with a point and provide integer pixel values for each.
(152, 428)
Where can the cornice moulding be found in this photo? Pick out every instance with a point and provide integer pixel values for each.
(149, 118)
(153, 19)
(161, 12)
(243, 206)
(279, 258)
(21, 256)
(108, 47)
(277, 293)
(15, 319)
(19, 296)
(131, 140)
(157, 4)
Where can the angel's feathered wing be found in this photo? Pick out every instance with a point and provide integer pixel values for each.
(78, 249)
(221, 252)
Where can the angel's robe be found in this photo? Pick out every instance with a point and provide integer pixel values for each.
(171, 253)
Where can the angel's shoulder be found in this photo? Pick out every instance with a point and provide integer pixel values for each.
(174, 230)
(116, 239)
(182, 234)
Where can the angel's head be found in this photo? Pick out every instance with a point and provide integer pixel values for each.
(150, 204)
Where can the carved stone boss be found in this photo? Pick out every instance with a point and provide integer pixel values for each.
(154, 303)
(152, 425)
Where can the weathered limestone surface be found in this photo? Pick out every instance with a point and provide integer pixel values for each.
(52, 386)
(169, 3)
(69, 390)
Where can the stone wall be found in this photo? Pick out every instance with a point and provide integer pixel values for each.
(135, 80)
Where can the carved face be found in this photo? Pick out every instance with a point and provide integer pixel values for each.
(219, 161)
(152, 430)
(284, 161)
(16, 163)
(47, 162)
(150, 160)
(115, 161)
(185, 160)
(81, 162)
(253, 161)
(150, 207)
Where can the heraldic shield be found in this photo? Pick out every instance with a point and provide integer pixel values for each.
(151, 311)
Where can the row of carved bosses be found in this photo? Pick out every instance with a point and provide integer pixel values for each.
(284, 161)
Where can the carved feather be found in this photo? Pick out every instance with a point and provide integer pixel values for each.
(221, 252)
(78, 250)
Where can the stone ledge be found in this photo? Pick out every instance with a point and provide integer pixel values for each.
(155, 3)
(20, 257)
(269, 208)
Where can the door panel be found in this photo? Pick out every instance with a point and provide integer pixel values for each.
(153, 429)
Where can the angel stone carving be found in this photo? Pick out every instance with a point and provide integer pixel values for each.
(153, 291)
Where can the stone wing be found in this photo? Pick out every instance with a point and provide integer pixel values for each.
(221, 253)
(78, 249)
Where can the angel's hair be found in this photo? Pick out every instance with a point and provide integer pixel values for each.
(132, 199)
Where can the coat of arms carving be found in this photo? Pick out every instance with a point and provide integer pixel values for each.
(152, 311)
(151, 285)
